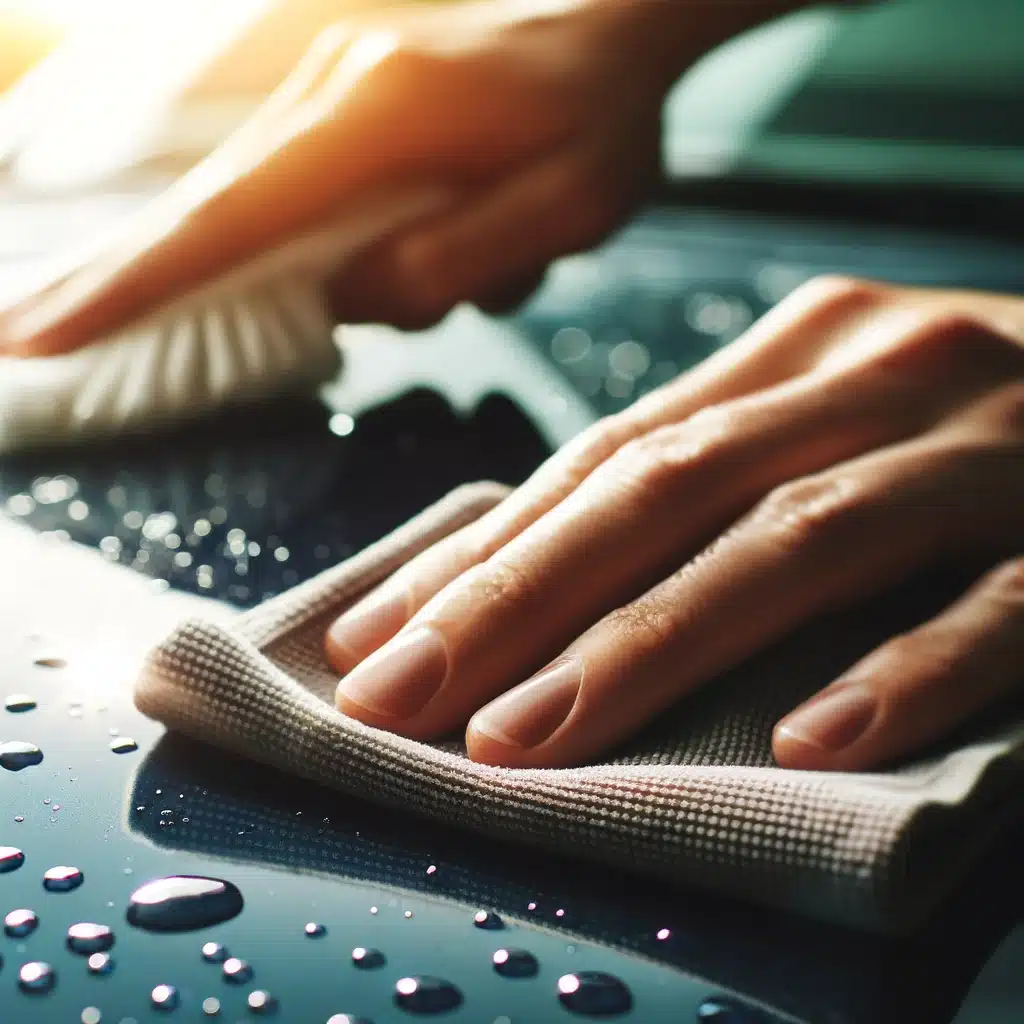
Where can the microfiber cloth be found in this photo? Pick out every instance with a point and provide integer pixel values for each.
(258, 331)
(696, 799)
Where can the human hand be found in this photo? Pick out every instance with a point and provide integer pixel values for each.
(542, 118)
(856, 434)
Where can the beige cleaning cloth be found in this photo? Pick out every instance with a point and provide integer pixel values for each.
(258, 331)
(696, 799)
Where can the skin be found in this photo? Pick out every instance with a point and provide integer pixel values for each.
(858, 433)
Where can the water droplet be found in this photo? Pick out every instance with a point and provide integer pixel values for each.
(432, 870)
(727, 1011)
(261, 1001)
(15, 755)
(367, 957)
(86, 937)
(123, 745)
(164, 997)
(51, 661)
(46, 801)
(183, 903)
(19, 818)
(515, 963)
(19, 923)
(36, 977)
(425, 994)
(663, 934)
(100, 963)
(215, 952)
(373, 910)
(408, 914)
(238, 972)
(315, 930)
(91, 1015)
(62, 878)
(211, 1006)
(488, 919)
(594, 993)
(18, 702)
(531, 906)
(559, 912)
(11, 858)
(347, 1018)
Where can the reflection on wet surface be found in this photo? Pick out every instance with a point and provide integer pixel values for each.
(392, 900)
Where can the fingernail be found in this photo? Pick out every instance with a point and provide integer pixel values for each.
(371, 623)
(400, 678)
(529, 714)
(833, 719)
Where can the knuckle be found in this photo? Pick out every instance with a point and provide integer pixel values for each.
(498, 585)
(1007, 582)
(809, 513)
(647, 624)
(931, 659)
(1007, 407)
(661, 458)
(945, 344)
(839, 293)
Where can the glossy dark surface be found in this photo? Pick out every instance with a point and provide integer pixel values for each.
(300, 497)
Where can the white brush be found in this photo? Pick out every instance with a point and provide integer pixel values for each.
(258, 331)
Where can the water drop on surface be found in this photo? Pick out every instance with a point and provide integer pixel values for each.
(261, 1001)
(426, 994)
(315, 930)
(164, 997)
(238, 972)
(19, 702)
(515, 963)
(19, 923)
(183, 903)
(488, 920)
(100, 963)
(86, 938)
(16, 755)
(214, 952)
(560, 912)
(11, 858)
(91, 1015)
(531, 906)
(367, 957)
(347, 1018)
(727, 1011)
(123, 745)
(663, 934)
(36, 977)
(432, 870)
(373, 910)
(211, 1006)
(594, 994)
(62, 878)
(408, 914)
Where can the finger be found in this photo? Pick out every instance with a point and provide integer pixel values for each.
(818, 544)
(916, 688)
(561, 203)
(782, 345)
(275, 178)
(497, 622)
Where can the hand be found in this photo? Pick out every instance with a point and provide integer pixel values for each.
(544, 119)
(856, 434)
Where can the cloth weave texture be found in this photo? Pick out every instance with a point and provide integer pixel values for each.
(695, 799)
